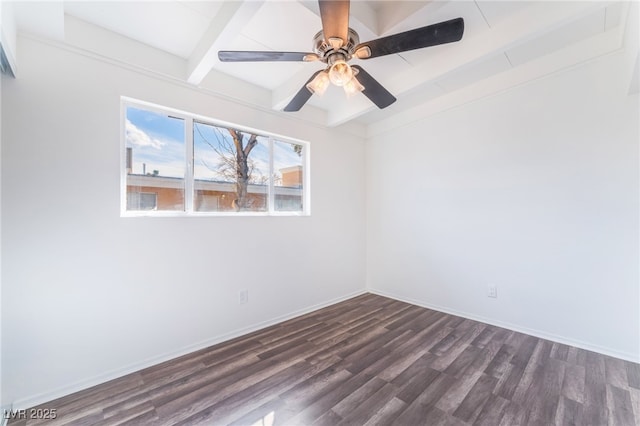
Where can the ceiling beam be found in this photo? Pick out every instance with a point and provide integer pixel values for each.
(565, 58)
(224, 28)
(526, 25)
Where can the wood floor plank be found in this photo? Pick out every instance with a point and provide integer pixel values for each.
(147, 418)
(329, 418)
(514, 414)
(546, 396)
(487, 335)
(264, 413)
(436, 389)
(368, 360)
(417, 384)
(560, 351)
(351, 402)
(595, 390)
(492, 411)
(569, 412)
(128, 414)
(573, 383)
(365, 411)
(474, 401)
(615, 372)
(306, 393)
(416, 414)
(464, 360)
(621, 412)
(509, 381)
(390, 372)
(378, 364)
(387, 413)
(458, 391)
(239, 403)
(221, 375)
(450, 355)
(500, 362)
(635, 402)
(633, 374)
(406, 316)
(419, 365)
(223, 354)
(330, 398)
(524, 351)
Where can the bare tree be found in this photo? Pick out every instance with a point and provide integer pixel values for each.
(243, 172)
(234, 164)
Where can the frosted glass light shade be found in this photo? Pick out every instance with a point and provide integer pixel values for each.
(319, 84)
(340, 73)
(353, 86)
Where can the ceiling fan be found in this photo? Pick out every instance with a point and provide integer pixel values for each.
(336, 44)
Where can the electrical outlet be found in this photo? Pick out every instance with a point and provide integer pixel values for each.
(243, 296)
(492, 291)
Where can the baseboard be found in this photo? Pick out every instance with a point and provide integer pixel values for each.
(41, 398)
(514, 327)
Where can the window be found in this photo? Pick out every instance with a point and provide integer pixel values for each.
(155, 160)
(288, 177)
(218, 155)
(178, 163)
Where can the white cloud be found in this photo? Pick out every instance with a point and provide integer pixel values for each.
(137, 137)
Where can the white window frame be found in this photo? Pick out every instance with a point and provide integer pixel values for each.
(189, 119)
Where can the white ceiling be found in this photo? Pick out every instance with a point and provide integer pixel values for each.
(505, 43)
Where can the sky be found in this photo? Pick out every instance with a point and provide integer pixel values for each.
(158, 143)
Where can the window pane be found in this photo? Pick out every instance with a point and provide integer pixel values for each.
(288, 176)
(142, 200)
(231, 169)
(155, 159)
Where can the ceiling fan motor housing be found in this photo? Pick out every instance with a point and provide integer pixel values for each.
(325, 51)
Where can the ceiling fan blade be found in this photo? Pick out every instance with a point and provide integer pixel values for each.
(257, 56)
(431, 35)
(335, 21)
(374, 90)
(301, 97)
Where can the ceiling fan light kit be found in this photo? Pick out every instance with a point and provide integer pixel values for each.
(320, 83)
(336, 44)
(340, 72)
(353, 86)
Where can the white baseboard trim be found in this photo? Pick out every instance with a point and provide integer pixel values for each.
(514, 327)
(44, 397)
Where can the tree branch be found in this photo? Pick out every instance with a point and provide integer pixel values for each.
(253, 141)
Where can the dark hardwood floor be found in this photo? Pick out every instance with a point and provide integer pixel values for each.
(369, 361)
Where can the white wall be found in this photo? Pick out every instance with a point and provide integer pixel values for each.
(534, 190)
(88, 295)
